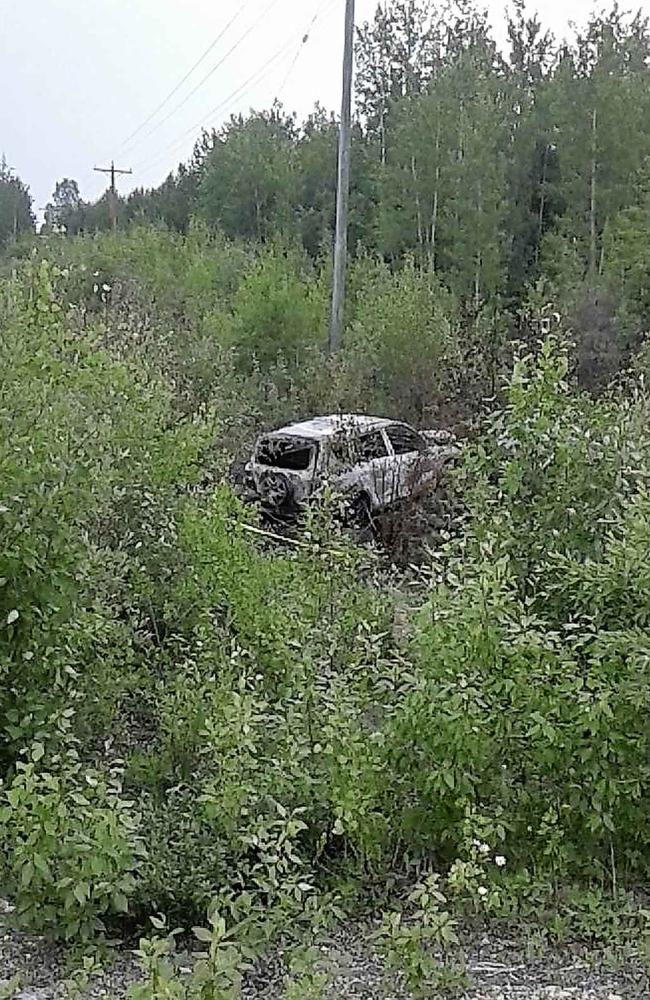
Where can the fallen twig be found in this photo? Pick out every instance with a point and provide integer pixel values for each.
(275, 537)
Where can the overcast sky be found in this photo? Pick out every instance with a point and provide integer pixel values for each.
(78, 77)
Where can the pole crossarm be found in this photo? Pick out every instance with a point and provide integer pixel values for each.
(112, 170)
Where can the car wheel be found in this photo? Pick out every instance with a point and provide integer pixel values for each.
(275, 489)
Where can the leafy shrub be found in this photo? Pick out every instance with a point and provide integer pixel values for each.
(528, 701)
(89, 465)
(279, 310)
(259, 715)
(403, 340)
(272, 732)
(552, 468)
(70, 845)
(243, 330)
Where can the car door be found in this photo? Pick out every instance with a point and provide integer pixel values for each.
(372, 471)
(412, 464)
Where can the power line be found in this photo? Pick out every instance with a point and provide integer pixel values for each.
(303, 42)
(213, 70)
(180, 83)
(238, 92)
(254, 78)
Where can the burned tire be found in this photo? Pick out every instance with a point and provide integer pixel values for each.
(275, 490)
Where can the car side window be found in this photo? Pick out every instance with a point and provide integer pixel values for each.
(340, 455)
(404, 439)
(370, 446)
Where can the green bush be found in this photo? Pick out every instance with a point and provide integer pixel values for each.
(243, 331)
(89, 462)
(280, 310)
(527, 705)
(260, 698)
(403, 340)
(70, 845)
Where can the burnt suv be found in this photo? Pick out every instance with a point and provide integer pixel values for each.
(372, 461)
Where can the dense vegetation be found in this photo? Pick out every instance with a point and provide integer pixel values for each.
(189, 722)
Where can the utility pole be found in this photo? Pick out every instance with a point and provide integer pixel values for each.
(343, 186)
(112, 191)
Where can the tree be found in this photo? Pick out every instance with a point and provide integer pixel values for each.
(532, 158)
(315, 166)
(16, 214)
(316, 160)
(443, 182)
(627, 260)
(171, 204)
(599, 106)
(65, 211)
(247, 184)
(396, 54)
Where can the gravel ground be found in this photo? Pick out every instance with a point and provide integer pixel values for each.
(497, 970)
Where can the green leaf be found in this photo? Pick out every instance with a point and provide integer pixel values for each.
(119, 902)
(42, 865)
(202, 934)
(81, 892)
(449, 779)
(14, 795)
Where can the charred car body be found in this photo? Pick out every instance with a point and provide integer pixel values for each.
(371, 461)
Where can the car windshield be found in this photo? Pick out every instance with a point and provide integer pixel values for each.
(286, 453)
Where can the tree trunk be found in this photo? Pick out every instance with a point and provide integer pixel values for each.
(479, 258)
(418, 207)
(592, 198)
(258, 215)
(382, 116)
(601, 260)
(434, 224)
(434, 211)
(542, 202)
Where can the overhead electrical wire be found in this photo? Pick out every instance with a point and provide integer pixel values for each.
(254, 78)
(213, 70)
(239, 91)
(191, 70)
(303, 42)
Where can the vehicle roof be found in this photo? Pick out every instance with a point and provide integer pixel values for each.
(323, 427)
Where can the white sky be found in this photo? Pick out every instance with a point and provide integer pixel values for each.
(78, 76)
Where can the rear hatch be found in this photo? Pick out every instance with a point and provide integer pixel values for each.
(284, 468)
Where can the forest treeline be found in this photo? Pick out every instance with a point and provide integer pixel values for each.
(499, 172)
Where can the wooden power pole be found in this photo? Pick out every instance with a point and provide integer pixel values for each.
(112, 191)
(343, 186)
